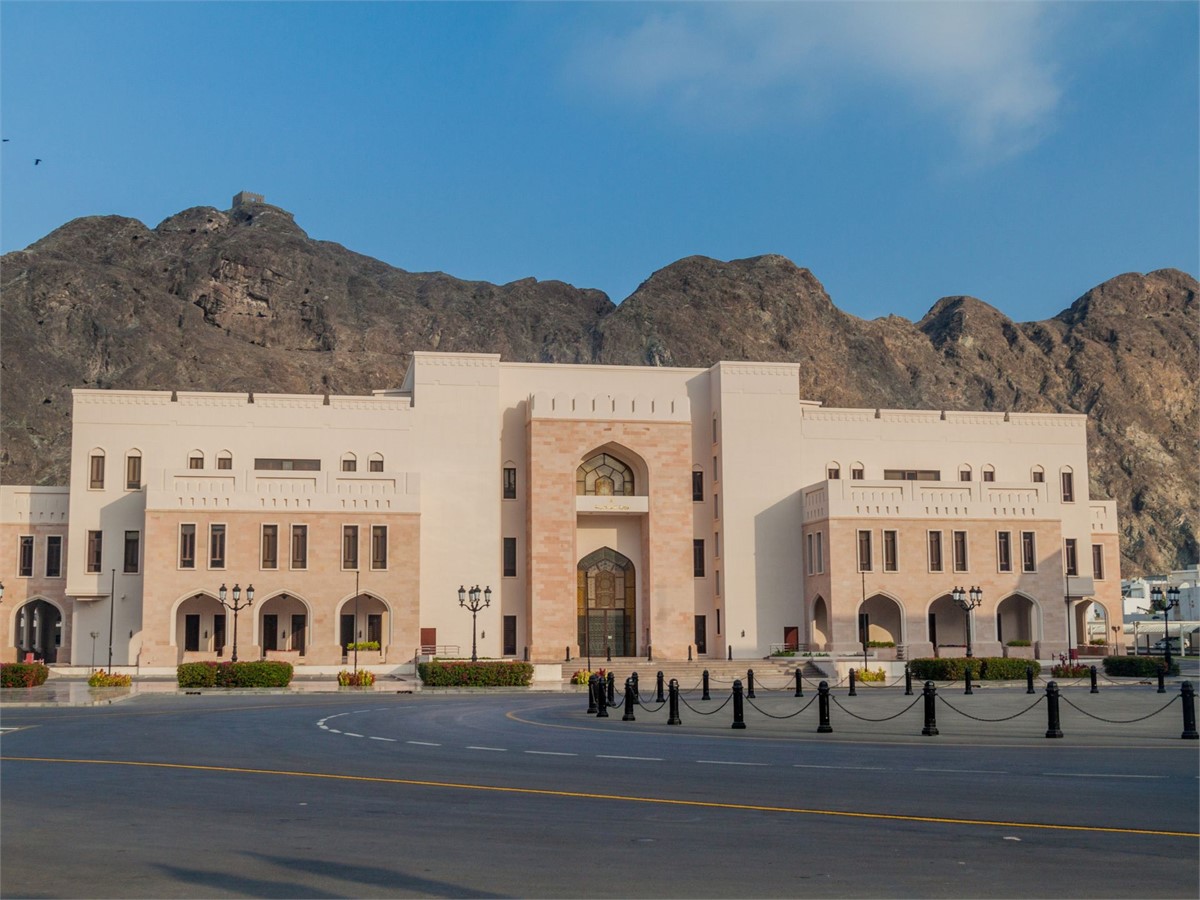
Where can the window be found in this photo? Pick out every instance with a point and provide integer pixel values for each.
(1004, 551)
(270, 546)
(964, 474)
(349, 546)
(698, 558)
(1068, 486)
(375, 464)
(833, 473)
(132, 546)
(714, 429)
(96, 471)
(857, 473)
(812, 563)
(54, 556)
(716, 545)
(697, 486)
(864, 551)
(820, 552)
(890, 556)
(510, 483)
(216, 546)
(716, 506)
(133, 471)
(510, 557)
(912, 475)
(1098, 561)
(989, 474)
(604, 476)
(187, 546)
(935, 551)
(196, 461)
(717, 582)
(379, 546)
(287, 465)
(1028, 552)
(25, 566)
(1037, 475)
(299, 546)
(95, 550)
(349, 463)
(224, 460)
(960, 551)
(1071, 557)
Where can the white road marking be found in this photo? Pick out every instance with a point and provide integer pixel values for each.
(549, 753)
(423, 743)
(389, 740)
(635, 758)
(1097, 775)
(351, 734)
(492, 749)
(727, 762)
(967, 771)
(334, 731)
(856, 768)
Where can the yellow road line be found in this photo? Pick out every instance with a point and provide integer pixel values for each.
(625, 798)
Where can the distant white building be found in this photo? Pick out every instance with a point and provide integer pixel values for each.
(711, 512)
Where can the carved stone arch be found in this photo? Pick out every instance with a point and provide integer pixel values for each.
(1018, 617)
(40, 630)
(886, 618)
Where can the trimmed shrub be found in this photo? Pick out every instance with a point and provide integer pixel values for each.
(361, 678)
(881, 643)
(1019, 643)
(23, 674)
(582, 676)
(1070, 670)
(1137, 666)
(257, 673)
(491, 673)
(866, 675)
(986, 668)
(100, 678)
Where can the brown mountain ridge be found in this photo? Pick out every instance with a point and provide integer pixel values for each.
(243, 299)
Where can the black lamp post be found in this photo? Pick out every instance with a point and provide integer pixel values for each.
(1165, 601)
(967, 601)
(94, 634)
(112, 606)
(236, 606)
(470, 600)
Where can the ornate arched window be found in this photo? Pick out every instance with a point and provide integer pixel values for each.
(604, 476)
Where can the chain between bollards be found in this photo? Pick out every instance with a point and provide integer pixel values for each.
(1053, 722)
(1188, 695)
(930, 693)
(823, 708)
(673, 708)
(739, 717)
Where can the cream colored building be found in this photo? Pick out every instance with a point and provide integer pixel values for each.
(711, 512)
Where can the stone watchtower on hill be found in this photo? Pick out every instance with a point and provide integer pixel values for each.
(242, 198)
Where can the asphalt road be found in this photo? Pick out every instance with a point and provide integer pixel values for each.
(527, 795)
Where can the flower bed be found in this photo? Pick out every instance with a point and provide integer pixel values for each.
(463, 673)
(23, 674)
(100, 678)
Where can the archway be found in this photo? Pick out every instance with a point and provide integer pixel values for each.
(1015, 619)
(362, 619)
(882, 619)
(38, 631)
(947, 625)
(200, 625)
(607, 604)
(283, 622)
(1094, 629)
(820, 624)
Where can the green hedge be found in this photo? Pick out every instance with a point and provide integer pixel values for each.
(362, 645)
(264, 673)
(493, 673)
(23, 674)
(1137, 666)
(997, 668)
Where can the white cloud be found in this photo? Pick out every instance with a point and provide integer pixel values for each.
(982, 67)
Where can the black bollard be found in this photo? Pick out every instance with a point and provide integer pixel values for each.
(982, 669)
(658, 696)
(526, 653)
(853, 691)
(592, 691)
(649, 653)
(1094, 690)
(612, 689)
(823, 726)
(750, 684)
(799, 683)
(1029, 679)
(1162, 679)
(637, 691)
(1053, 723)
(608, 652)
(907, 681)
(673, 707)
(930, 693)
(1188, 694)
(689, 652)
(568, 653)
(602, 702)
(967, 689)
(704, 681)
(739, 718)
(731, 653)
(630, 690)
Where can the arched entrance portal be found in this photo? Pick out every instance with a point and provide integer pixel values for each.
(39, 631)
(607, 604)
(947, 624)
(880, 618)
(820, 624)
(283, 625)
(1015, 619)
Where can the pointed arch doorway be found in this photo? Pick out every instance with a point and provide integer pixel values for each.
(607, 604)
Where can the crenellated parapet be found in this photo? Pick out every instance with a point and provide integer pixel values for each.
(620, 407)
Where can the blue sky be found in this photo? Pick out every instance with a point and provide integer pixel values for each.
(1018, 152)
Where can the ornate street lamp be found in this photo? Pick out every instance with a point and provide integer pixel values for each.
(1165, 601)
(967, 601)
(236, 606)
(470, 600)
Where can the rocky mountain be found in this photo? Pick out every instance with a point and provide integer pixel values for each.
(243, 299)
